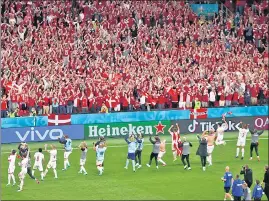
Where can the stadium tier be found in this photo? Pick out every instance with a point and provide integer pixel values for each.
(110, 56)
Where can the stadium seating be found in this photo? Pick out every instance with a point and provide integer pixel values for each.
(80, 57)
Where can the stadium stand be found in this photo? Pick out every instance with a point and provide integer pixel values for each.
(73, 56)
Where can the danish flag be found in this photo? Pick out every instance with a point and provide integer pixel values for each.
(198, 113)
(61, 119)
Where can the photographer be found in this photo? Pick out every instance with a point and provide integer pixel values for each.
(266, 181)
(247, 172)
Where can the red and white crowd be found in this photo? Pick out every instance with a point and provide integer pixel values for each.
(77, 56)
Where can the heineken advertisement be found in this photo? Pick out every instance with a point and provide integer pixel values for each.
(123, 129)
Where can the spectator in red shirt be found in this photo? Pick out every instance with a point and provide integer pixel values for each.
(205, 99)
(62, 104)
(235, 97)
(221, 98)
(46, 102)
(55, 104)
(40, 106)
(174, 97)
(228, 98)
(124, 102)
(70, 102)
(4, 108)
(84, 103)
(31, 103)
(161, 100)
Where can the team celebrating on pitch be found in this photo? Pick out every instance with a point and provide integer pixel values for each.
(180, 149)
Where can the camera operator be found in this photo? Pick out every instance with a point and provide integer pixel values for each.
(266, 181)
(248, 176)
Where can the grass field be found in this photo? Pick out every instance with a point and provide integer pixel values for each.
(168, 183)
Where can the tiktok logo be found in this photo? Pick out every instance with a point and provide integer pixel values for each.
(192, 127)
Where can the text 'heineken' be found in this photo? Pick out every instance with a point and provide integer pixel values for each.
(122, 129)
(95, 131)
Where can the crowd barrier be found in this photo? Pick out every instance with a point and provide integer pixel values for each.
(111, 130)
(78, 119)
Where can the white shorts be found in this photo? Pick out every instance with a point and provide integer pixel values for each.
(161, 153)
(210, 148)
(22, 173)
(98, 163)
(51, 164)
(82, 161)
(11, 169)
(241, 142)
(38, 166)
(67, 153)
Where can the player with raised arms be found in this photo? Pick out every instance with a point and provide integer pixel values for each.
(131, 140)
(84, 149)
(11, 167)
(39, 160)
(174, 132)
(255, 134)
(67, 150)
(52, 162)
(241, 142)
(23, 164)
(23, 151)
(100, 156)
(100, 140)
(220, 131)
(139, 148)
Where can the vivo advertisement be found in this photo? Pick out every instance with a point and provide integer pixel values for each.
(40, 134)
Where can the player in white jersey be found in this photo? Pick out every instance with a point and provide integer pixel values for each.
(39, 160)
(100, 156)
(11, 167)
(23, 172)
(67, 142)
(84, 149)
(220, 132)
(241, 142)
(52, 161)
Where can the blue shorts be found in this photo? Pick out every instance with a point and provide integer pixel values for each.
(131, 156)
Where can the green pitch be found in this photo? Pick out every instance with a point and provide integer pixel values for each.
(170, 182)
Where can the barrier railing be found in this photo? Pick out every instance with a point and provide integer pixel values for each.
(77, 119)
(117, 130)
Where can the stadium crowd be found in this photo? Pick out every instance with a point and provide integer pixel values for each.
(83, 56)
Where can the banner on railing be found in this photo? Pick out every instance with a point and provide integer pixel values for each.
(123, 129)
(121, 117)
(40, 134)
(198, 113)
(61, 119)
